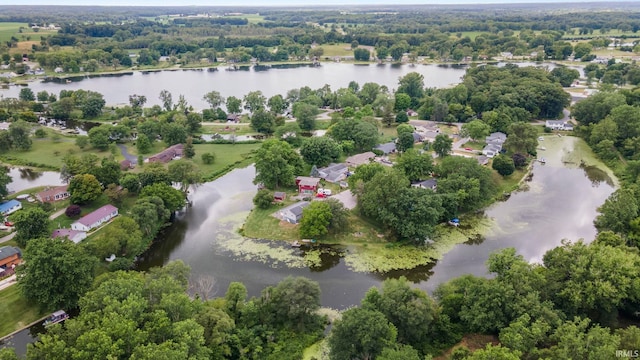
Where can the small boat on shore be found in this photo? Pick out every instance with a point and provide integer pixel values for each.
(57, 317)
(296, 244)
(542, 160)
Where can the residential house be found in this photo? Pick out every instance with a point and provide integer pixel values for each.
(491, 150)
(359, 159)
(53, 194)
(168, 154)
(334, 173)
(9, 257)
(234, 118)
(126, 165)
(411, 113)
(307, 185)
(496, 138)
(559, 125)
(279, 196)
(387, 148)
(73, 235)
(95, 218)
(4, 125)
(293, 213)
(10, 207)
(430, 184)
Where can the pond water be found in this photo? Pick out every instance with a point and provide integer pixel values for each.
(559, 202)
(194, 83)
(26, 178)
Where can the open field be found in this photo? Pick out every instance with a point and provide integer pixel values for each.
(15, 311)
(227, 156)
(9, 29)
(337, 50)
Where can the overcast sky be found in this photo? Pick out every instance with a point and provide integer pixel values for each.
(273, 2)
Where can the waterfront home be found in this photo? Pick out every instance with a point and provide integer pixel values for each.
(9, 257)
(559, 125)
(10, 207)
(359, 159)
(293, 213)
(307, 185)
(491, 150)
(234, 118)
(52, 194)
(430, 184)
(95, 218)
(168, 154)
(73, 235)
(496, 138)
(387, 148)
(334, 173)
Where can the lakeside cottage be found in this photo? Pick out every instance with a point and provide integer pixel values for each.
(559, 125)
(430, 184)
(9, 257)
(73, 235)
(494, 144)
(95, 218)
(10, 207)
(293, 213)
(387, 148)
(53, 194)
(359, 159)
(307, 185)
(279, 196)
(168, 154)
(334, 173)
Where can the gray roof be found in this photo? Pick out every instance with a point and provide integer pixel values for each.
(555, 122)
(359, 159)
(496, 137)
(296, 209)
(387, 147)
(429, 183)
(333, 168)
(7, 251)
(492, 147)
(335, 176)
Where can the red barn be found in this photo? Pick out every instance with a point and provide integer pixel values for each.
(307, 185)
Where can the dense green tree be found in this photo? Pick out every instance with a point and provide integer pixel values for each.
(84, 188)
(214, 99)
(522, 138)
(254, 101)
(574, 339)
(404, 352)
(173, 133)
(167, 100)
(402, 103)
(5, 180)
(293, 301)
(315, 220)
(131, 182)
(277, 104)
(475, 129)
(208, 158)
(150, 214)
(116, 194)
(469, 182)
(143, 144)
(55, 273)
(363, 134)
(442, 145)
(122, 237)
(405, 142)
(186, 173)
(172, 198)
(361, 54)
(363, 174)
(492, 352)
(276, 164)
(5, 141)
(233, 105)
(618, 211)
(402, 117)
(503, 165)
(26, 94)
(564, 75)
(411, 311)
(153, 173)
(361, 334)
(19, 132)
(263, 199)
(263, 121)
(320, 151)
(412, 84)
(415, 166)
(305, 115)
(99, 137)
(30, 224)
(596, 107)
(109, 172)
(91, 104)
(581, 50)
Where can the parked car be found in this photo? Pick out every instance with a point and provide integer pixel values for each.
(325, 192)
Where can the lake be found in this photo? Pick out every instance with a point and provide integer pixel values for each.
(194, 83)
(26, 178)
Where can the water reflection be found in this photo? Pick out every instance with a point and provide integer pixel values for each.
(29, 174)
(596, 175)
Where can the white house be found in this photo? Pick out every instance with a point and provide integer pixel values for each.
(559, 125)
(293, 213)
(95, 218)
(10, 207)
(491, 150)
(73, 235)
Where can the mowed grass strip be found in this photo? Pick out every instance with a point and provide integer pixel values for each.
(226, 155)
(16, 312)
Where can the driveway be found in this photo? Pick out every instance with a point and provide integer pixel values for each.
(346, 198)
(125, 153)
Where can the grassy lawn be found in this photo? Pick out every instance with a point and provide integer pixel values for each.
(448, 129)
(337, 50)
(474, 145)
(252, 18)
(228, 129)
(9, 29)
(48, 153)
(507, 184)
(15, 311)
(227, 156)
(387, 133)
